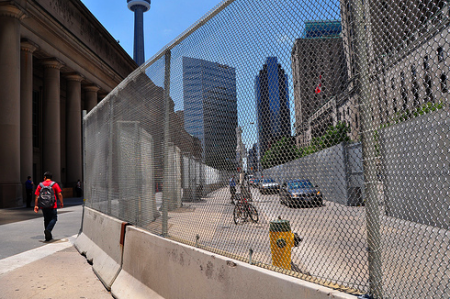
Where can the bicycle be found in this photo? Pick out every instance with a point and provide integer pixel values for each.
(243, 209)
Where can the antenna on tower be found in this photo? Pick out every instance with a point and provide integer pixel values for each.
(139, 7)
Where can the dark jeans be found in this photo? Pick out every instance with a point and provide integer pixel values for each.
(50, 218)
(29, 191)
(233, 192)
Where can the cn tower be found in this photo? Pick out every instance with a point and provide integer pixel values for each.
(139, 7)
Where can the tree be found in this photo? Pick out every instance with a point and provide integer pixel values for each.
(334, 135)
(280, 153)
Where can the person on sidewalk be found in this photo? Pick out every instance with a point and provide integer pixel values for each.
(232, 189)
(78, 188)
(29, 189)
(50, 214)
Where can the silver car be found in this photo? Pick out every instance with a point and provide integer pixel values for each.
(268, 186)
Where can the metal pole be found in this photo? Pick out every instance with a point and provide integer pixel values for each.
(165, 199)
(83, 161)
(369, 158)
(110, 156)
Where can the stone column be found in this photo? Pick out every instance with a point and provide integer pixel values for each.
(26, 109)
(91, 96)
(51, 152)
(10, 180)
(73, 136)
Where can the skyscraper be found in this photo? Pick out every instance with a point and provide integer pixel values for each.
(210, 109)
(139, 7)
(272, 101)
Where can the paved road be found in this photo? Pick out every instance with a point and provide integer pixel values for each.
(21, 229)
(334, 246)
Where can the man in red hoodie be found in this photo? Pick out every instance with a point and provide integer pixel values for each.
(50, 214)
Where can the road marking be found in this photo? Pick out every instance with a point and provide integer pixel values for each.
(19, 260)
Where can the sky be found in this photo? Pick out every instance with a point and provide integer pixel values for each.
(165, 20)
(242, 36)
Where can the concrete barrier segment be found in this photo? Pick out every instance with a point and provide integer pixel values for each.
(101, 243)
(154, 266)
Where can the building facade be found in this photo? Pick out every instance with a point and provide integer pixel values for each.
(56, 60)
(272, 104)
(210, 109)
(407, 46)
(320, 75)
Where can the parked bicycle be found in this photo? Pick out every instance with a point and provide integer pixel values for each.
(243, 209)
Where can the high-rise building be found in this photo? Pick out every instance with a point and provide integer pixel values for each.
(139, 7)
(320, 74)
(272, 101)
(253, 159)
(210, 109)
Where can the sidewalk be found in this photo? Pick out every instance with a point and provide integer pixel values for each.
(55, 271)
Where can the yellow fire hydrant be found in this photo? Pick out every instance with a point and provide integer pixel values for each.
(281, 242)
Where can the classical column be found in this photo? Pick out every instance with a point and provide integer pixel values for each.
(51, 152)
(10, 180)
(91, 96)
(26, 108)
(73, 136)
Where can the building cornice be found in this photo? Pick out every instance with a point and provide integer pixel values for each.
(28, 46)
(92, 88)
(53, 63)
(74, 77)
(10, 9)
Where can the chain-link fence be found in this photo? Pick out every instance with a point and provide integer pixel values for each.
(330, 119)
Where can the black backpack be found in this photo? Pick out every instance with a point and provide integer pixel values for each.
(46, 196)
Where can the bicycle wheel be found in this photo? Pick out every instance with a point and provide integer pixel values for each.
(239, 213)
(253, 213)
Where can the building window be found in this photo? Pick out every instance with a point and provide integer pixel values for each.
(440, 54)
(413, 72)
(415, 91)
(393, 83)
(425, 63)
(394, 105)
(428, 91)
(404, 98)
(444, 83)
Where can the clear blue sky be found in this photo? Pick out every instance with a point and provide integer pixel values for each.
(165, 20)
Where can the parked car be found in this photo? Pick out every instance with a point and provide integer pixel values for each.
(300, 193)
(253, 182)
(269, 186)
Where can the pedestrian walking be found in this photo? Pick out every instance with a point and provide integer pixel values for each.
(47, 194)
(29, 190)
(232, 189)
(78, 188)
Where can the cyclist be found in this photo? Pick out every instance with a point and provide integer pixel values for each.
(232, 189)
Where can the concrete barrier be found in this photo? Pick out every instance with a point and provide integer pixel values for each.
(100, 241)
(154, 267)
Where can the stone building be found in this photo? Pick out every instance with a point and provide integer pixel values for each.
(56, 60)
(320, 78)
(407, 46)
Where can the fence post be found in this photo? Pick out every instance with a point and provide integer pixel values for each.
(369, 158)
(165, 196)
(83, 161)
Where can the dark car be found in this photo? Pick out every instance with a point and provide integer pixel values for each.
(300, 193)
(268, 186)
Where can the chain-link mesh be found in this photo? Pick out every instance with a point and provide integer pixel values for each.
(329, 119)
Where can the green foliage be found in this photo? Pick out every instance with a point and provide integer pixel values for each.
(405, 115)
(285, 150)
(334, 135)
(281, 152)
